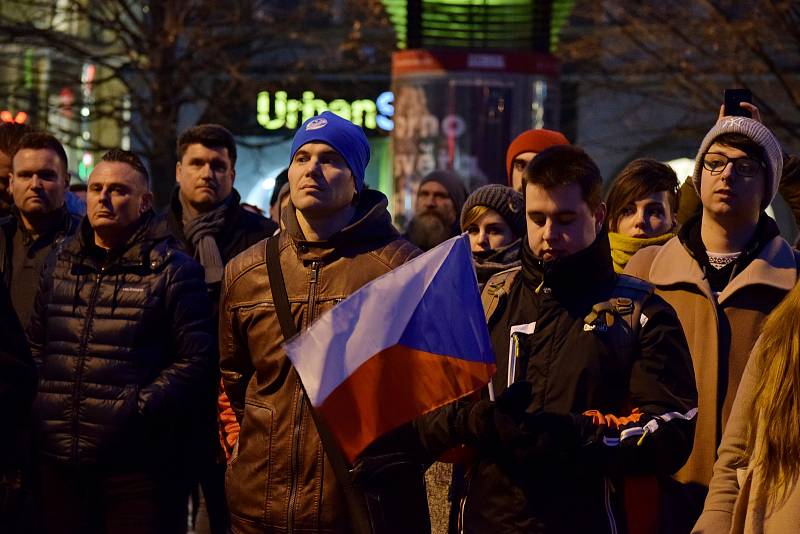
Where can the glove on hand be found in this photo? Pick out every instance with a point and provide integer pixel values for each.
(493, 425)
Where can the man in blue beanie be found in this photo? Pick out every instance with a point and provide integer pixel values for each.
(336, 237)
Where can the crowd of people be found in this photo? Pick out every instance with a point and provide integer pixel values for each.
(645, 338)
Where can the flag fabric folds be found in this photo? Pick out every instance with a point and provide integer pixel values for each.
(404, 344)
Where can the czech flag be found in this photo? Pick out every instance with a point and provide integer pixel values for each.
(404, 344)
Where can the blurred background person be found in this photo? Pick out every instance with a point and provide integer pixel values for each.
(524, 148)
(280, 196)
(10, 134)
(440, 197)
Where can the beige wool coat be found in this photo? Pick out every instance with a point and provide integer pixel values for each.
(720, 334)
(737, 501)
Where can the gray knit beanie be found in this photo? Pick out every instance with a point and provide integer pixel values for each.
(450, 181)
(759, 134)
(504, 200)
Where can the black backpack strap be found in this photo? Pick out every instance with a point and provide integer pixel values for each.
(356, 503)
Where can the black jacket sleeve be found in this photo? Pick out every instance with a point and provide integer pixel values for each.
(191, 373)
(17, 370)
(656, 435)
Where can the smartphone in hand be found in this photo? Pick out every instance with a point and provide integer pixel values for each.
(733, 97)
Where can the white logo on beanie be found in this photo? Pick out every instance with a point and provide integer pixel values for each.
(737, 121)
(316, 124)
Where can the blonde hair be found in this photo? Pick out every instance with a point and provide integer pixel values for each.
(773, 440)
(472, 216)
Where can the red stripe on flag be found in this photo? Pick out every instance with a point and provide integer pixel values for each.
(393, 387)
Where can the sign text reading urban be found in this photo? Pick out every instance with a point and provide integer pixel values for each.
(280, 111)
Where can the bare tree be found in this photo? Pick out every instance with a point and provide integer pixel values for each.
(158, 64)
(684, 54)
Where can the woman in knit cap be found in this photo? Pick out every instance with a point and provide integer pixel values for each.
(641, 206)
(494, 218)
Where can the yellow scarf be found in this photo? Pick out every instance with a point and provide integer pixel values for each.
(623, 247)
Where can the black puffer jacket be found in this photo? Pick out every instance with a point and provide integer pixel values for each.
(124, 346)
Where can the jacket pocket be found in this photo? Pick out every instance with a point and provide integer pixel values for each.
(248, 475)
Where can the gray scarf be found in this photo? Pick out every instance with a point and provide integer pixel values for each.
(201, 232)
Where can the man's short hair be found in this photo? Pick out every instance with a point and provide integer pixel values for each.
(10, 135)
(640, 178)
(564, 165)
(210, 136)
(43, 141)
(743, 143)
(117, 155)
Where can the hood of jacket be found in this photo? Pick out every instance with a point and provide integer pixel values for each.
(370, 226)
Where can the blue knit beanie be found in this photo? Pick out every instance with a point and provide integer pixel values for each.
(345, 137)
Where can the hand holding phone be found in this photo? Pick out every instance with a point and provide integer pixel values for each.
(733, 100)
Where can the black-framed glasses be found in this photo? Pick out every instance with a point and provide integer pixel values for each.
(745, 167)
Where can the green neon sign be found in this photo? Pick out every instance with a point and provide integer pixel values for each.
(280, 111)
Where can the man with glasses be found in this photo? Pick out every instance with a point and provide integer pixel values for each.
(723, 273)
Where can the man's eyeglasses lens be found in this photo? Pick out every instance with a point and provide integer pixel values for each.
(716, 163)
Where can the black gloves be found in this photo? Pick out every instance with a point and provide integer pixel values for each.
(506, 429)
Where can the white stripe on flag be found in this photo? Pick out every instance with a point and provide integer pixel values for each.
(369, 321)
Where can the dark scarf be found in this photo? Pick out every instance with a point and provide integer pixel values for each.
(718, 279)
(202, 232)
(491, 262)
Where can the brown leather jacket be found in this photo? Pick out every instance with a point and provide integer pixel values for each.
(279, 479)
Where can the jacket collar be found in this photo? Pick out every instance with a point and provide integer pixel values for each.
(140, 251)
(371, 223)
(582, 275)
(65, 223)
(774, 266)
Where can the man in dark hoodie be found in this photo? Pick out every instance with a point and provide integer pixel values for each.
(122, 337)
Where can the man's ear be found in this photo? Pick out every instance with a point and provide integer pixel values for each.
(178, 171)
(146, 203)
(600, 215)
(233, 176)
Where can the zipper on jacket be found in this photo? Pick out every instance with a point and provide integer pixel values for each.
(298, 420)
(81, 364)
(612, 523)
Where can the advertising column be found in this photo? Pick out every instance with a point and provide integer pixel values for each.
(459, 110)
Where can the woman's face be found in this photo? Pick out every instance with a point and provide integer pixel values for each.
(489, 232)
(650, 216)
